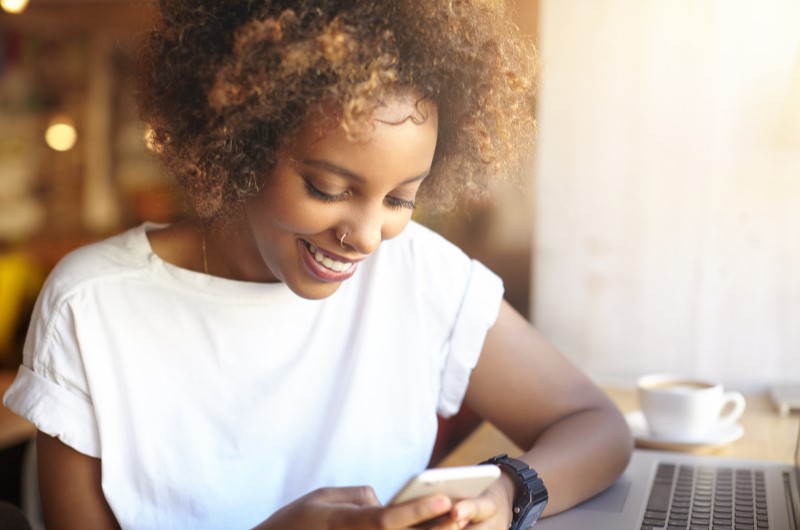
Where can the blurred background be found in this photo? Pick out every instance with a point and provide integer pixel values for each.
(73, 162)
(657, 229)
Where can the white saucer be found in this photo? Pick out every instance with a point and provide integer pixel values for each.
(719, 436)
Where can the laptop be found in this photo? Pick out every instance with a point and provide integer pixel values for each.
(665, 490)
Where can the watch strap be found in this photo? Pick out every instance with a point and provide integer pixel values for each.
(530, 489)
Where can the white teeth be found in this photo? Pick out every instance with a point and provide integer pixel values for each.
(334, 265)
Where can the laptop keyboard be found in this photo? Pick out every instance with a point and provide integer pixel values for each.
(689, 497)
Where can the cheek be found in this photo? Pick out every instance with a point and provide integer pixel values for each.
(393, 227)
(290, 216)
(282, 207)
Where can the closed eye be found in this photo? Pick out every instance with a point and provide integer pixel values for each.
(395, 203)
(321, 195)
(398, 204)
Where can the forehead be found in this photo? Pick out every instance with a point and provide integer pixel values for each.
(399, 137)
(327, 119)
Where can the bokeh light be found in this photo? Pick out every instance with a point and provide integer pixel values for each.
(61, 134)
(14, 6)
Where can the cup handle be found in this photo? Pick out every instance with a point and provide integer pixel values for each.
(734, 401)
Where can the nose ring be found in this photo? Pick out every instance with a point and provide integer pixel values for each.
(341, 241)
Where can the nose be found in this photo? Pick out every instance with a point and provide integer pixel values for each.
(364, 232)
(370, 224)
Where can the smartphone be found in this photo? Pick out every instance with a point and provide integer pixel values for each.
(456, 482)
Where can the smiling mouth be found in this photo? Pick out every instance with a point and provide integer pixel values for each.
(327, 261)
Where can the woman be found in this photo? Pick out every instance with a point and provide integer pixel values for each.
(279, 360)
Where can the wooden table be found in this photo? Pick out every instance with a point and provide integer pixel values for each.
(767, 435)
(13, 429)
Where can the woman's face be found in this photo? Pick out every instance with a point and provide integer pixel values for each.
(324, 186)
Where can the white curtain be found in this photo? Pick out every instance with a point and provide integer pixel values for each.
(667, 196)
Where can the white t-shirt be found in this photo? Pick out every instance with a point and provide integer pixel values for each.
(213, 402)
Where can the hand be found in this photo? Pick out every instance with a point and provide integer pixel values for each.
(355, 508)
(490, 511)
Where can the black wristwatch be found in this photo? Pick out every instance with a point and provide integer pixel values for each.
(531, 495)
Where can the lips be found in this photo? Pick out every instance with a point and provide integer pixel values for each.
(324, 265)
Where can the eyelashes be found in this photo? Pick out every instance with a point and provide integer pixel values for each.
(393, 202)
(321, 195)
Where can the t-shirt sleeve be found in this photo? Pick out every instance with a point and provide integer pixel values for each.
(51, 389)
(477, 313)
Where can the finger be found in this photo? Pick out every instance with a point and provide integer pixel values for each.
(475, 510)
(355, 495)
(444, 523)
(413, 513)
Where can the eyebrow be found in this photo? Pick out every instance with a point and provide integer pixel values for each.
(333, 168)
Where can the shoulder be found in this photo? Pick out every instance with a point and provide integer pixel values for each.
(74, 284)
(120, 255)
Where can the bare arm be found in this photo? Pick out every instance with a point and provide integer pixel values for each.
(574, 435)
(70, 488)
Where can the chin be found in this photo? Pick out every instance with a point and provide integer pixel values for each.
(315, 290)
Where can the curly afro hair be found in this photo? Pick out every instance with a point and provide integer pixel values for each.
(222, 84)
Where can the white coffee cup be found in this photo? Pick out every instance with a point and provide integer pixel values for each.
(687, 408)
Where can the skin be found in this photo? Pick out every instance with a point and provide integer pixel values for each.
(322, 187)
